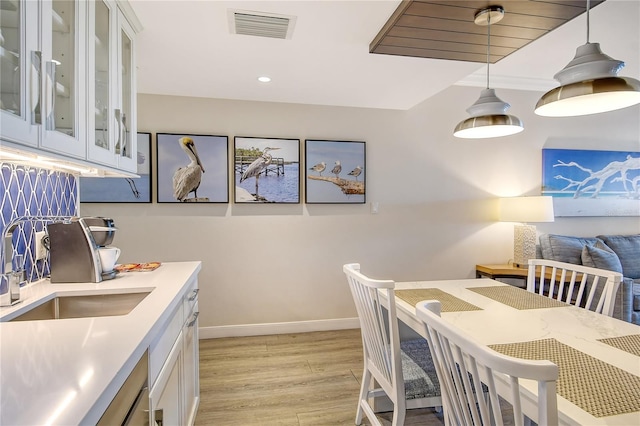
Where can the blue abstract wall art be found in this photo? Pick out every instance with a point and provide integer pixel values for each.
(592, 182)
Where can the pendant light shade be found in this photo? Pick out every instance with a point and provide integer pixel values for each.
(589, 84)
(488, 114)
(488, 119)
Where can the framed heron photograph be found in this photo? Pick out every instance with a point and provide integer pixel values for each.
(335, 172)
(266, 170)
(122, 190)
(192, 168)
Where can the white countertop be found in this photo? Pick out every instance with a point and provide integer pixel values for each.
(65, 372)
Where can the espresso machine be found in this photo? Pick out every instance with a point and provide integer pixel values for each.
(74, 247)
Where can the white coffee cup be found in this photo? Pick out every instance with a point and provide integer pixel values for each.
(108, 257)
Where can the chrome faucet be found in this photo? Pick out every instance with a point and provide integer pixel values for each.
(14, 280)
(6, 248)
(13, 266)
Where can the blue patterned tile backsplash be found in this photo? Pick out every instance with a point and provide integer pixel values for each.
(31, 191)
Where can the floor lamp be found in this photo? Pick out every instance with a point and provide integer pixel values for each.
(524, 210)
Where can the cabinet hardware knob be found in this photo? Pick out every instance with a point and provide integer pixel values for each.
(194, 294)
(118, 117)
(36, 82)
(194, 319)
(50, 92)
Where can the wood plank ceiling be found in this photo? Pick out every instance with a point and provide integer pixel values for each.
(445, 29)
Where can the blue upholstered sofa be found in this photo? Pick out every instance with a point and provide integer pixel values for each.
(620, 253)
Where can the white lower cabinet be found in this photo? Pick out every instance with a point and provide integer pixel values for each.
(191, 370)
(174, 366)
(166, 395)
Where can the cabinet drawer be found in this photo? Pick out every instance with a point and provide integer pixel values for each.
(160, 348)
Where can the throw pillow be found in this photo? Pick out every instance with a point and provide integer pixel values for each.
(564, 248)
(627, 247)
(602, 257)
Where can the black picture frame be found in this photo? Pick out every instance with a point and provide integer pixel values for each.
(177, 167)
(122, 190)
(266, 170)
(335, 171)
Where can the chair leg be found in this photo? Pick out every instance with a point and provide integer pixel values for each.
(399, 414)
(447, 420)
(399, 408)
(364, 391)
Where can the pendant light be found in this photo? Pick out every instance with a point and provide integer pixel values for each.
(488, 114)
(589, 84)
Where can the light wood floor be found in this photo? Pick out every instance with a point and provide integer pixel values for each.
(291, 379)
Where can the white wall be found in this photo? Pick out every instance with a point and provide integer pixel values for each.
(437, 196)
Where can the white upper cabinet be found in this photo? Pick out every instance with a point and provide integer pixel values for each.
(64, 119)
(20, 72)
(101, 57)
(126, 138)
(68, 85)
(111, 73)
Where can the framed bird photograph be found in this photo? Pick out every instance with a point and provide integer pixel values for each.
(334, 172)
(192, 168)
(122, 190)
(266, 170)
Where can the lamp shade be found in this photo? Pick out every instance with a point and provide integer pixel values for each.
(527, 209)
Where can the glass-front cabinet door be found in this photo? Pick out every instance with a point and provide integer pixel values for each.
(20, 72)
(112, 138)
(126, 139)
(101, 141)
(64, 93)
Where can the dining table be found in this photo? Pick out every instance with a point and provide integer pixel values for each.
(598, 356)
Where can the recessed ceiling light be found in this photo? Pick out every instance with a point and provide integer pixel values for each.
(264, 79)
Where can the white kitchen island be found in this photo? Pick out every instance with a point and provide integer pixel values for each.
(67, 371)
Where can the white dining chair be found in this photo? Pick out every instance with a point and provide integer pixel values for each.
(472, 376)
(579, 285)
(386, 367)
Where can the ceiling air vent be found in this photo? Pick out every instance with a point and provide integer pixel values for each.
(261, 24)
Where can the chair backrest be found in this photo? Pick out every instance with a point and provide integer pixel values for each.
(579, 285)
(470, 374)
(380, 336)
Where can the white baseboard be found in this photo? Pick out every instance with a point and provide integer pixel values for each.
(243, 330)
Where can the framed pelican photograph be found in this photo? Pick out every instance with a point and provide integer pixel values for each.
(119, 189)
(266, 170)
(335, 172)
(192, 168)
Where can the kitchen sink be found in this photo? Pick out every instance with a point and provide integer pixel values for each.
(95, 305)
